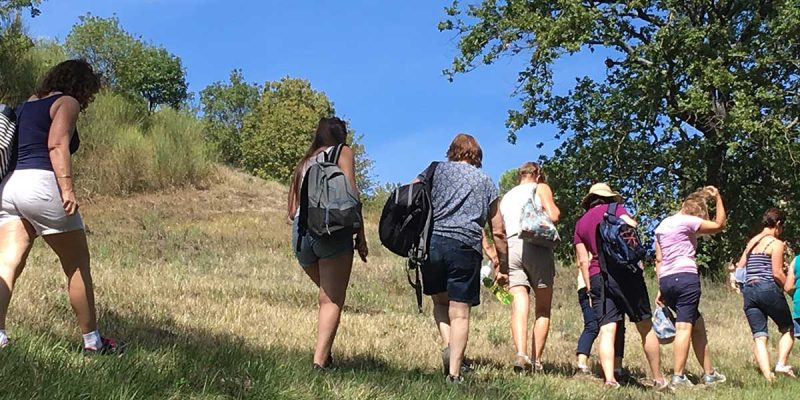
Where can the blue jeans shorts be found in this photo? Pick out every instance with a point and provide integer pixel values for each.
(797, 328)
(452, 267)
(313, 249)
(764, 300)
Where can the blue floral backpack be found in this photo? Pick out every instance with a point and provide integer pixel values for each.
(535, 226)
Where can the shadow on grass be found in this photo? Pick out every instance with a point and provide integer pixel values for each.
(167, 360)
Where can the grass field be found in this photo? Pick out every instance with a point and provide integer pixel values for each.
(203, 286)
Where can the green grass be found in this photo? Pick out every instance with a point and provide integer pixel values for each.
(203, 285)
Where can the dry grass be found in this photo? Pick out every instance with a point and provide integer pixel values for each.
(204, 286)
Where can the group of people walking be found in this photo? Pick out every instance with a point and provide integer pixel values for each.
(38, 199)
(465, 201)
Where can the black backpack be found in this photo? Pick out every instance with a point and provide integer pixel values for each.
(406, 225)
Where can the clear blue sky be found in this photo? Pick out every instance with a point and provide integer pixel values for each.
(380, 62)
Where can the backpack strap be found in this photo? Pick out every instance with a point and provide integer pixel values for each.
(334, 154)
(302, 221)
(421, 249)
(603, 266)
(612, 209)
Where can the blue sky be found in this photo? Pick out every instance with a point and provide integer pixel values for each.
(380, 62)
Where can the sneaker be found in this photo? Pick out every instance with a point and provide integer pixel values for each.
(611, 385)
(454, 380)
(109, 347)
(714, 377)
(466, 365)
(785, 370)
(680, 381)
(583, 370)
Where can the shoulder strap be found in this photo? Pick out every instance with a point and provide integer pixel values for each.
(302, 222)
(430, 172)
(612, 209)
(753, 247)
(335, 153)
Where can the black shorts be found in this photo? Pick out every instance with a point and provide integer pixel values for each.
(452, 267)
(625, 294)
(681, 292)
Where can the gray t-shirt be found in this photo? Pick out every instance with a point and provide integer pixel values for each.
(461, 196)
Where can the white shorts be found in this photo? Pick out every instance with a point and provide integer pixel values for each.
(33, 195)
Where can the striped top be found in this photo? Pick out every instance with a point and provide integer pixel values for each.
(759, 267)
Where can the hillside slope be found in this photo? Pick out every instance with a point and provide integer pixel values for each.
(204, 286)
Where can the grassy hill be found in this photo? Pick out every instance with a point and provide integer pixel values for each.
(203, 285)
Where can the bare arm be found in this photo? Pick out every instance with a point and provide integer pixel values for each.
(64, 115)
(498, 229)
(791, 279)
(777, 264)
(720, 219)
(628, 220)
(659, 259)
(548, 204)
(347, 164)
(583, 263)
(489, 250)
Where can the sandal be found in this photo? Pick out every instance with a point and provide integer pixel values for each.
(523, 364)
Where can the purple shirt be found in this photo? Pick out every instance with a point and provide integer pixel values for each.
(586, 232)
(677, 236)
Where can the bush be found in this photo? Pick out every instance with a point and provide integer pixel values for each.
(127, 150)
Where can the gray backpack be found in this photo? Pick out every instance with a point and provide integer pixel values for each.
(328, 204)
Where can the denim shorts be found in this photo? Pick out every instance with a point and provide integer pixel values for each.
(765, 299)
(313, 249)
(681, 292)
(452, 267)
(797, 328)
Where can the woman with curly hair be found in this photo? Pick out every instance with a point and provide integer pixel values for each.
(38, 197)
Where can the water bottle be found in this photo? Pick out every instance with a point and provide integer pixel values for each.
(501, 294)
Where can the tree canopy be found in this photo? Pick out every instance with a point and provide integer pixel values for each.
(695, 93)
(127, 63)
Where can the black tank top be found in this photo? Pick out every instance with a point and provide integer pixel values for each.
(34, 131)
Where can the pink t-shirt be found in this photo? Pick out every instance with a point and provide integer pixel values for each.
(677, 236)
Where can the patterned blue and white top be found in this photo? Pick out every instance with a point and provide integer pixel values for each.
(461, 196)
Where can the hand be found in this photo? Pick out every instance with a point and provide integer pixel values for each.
(361, 247)
(501, 279)
(659, 301)
(69, 202)
(712, 190)
(495, 262)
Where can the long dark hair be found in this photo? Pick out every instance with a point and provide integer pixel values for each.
(331, 131)
(74, 78)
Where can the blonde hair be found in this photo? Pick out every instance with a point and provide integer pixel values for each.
(696, 204)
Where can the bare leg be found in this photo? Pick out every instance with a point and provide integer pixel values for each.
(785, 347)
(544, 301)
(608, 333)
(441, 315)
(651, 349)
(683, 338)
(16, 239)
(519, 318)
(762, 356)
(334, 276)
(459, 334)
(700, 345)
(73, 252)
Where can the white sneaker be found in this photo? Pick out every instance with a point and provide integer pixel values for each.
(785, 370)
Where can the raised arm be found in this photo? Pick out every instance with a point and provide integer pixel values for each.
(548, 204)
(720, 219)
(64, 116)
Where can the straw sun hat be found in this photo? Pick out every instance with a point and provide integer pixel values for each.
(600, 190)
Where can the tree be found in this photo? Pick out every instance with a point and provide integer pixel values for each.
(696, 93)
(225, 106)
(508, 180)
(9, 7)
(127, 63)
(278, 132)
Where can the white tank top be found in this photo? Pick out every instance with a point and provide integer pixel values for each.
(512, 203)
